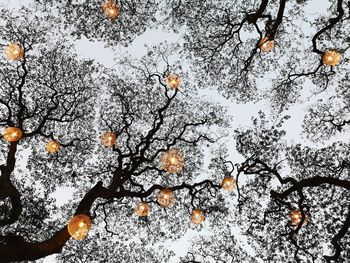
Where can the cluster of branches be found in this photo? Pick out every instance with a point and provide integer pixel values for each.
(317, 186)
(50, 94)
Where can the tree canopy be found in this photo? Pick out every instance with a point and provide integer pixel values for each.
(149, 152)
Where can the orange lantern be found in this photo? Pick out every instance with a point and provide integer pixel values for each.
(296, 217)
(79, 226)
(14, 52)
(12, 134)
(266, 45)
(108, 139)
(172, 161)
(53, 146)
(173, 81)
(142, 209)
(166, 198)
(228, 184)
(197, 216)
(331, 58)
(111, 10)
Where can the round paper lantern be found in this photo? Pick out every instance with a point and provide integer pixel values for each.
(111, 10)
(173, 81)
(266, 45)
(197, 216)
(14, 52)
(172, 161)
(108, 139)
(79, 226)
(228, 184)
(53, 146)
(142, 209)
(12, 134)
(296, 217)
(165, 198)
(331, 58)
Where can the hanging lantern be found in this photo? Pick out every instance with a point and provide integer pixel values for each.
(197, 216)
(173, 81)
(266, 45)
(228, 184)
(108, 139)
(166, 198)
(172, 161)
(12, 134)
(331, 58)
(79, 226)
(296, 217)
(111, 10)
(14, 52)
(142, 209)
(53, 146)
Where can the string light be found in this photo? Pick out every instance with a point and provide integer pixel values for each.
(12, 134)
(197, 216)
(228, 184)
(165, 198)
(111, 10)
(53, 146)
(142, 209)
(296, 217)
(266, 45)
(331, 58)
(79, 226)
(14, 52)
(173, 81)
(108, 139)
(172, 161)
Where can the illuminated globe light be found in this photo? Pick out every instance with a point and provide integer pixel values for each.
(166, 198)
(108, 139)
(172, 161)
(53, 146)
(142, 209)
(12, 134)
(14, 52)
(79, 226)
(111, 10)
(228, 184)
(266, 45)
(173, 81)
(296, 217)
(197, 216)
(331, 58)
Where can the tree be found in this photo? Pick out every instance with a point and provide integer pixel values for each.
(224, 40)
(49, 94)
(293, 217)
(88, 19)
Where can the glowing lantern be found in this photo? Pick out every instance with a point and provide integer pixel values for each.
(197, 216)
(266, 45)
(108, 139)
(53, 146)
(142, 209)
(296, 217)
(228, 184)
(12, 134)
(173, 81)
(111, 10)
(331, 58)
(172, 161)
(165, 198)
(14, 52)
(79, 226)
